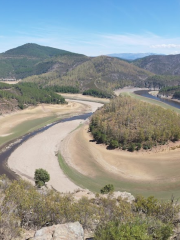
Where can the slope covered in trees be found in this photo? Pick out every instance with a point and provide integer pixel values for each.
(159, 81)
(131, 124)
(100, 73)
(24, 94)
(33, 59)
(160, 64)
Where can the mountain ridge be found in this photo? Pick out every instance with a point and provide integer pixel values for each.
(47, 66)
(161, 65)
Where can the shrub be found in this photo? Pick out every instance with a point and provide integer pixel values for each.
(108, 188)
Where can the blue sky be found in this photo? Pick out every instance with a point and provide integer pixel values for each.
(92, 27)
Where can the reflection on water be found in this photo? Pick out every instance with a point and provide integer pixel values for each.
(145, 93)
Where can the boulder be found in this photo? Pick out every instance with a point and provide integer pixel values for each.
(68, 231)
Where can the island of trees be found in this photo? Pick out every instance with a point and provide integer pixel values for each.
(131, 124)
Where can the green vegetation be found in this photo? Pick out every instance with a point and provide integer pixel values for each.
(29, 94)
(160, 64)
(32, 59)
(41, 176)
(160, 81)
(136, 229)
(23, 207)
(97, 93)
(173, 91)
(63, 89)
(35, 50)
(129, 124)
(107, 189)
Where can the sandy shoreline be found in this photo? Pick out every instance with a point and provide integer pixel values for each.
(41, 152)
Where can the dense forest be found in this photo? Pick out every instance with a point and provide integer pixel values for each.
(62, 89)
(97, 93)
(131, 124)
(104, 216)
(159, 81)
(29, 94)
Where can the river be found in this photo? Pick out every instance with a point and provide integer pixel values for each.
(145, 93)
(7, 150)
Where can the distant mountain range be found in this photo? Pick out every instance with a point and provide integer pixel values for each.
(131, 56)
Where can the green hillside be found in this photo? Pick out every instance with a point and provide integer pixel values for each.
(159, 81)
(22, 95)
(160, 65)
(32, 59)
(105, 73)
(36, 51)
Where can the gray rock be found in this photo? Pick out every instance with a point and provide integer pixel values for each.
(68, 231)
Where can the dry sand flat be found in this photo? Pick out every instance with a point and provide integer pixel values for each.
(10, 121)
(93, 159)
(84, 97)
(41, 152)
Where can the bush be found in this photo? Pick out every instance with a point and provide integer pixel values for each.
(135, 229)
(114, 144)
(131, 148)
(41, 176)
(108, 188)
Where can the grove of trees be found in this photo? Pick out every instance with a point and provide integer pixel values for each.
(131, 124)
(29, 94)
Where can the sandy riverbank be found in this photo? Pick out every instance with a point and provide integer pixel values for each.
(128, 89)
(145, 172)
(41, 152)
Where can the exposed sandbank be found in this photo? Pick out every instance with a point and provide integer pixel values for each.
(41, 152)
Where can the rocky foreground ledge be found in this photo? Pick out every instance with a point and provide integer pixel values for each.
(68, 231)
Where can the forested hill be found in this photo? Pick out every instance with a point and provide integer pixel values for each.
(33, 50)
(160, 65)
(103, 72)
(32, 59)
(54, 66)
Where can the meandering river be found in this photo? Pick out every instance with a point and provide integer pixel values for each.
(7, 150)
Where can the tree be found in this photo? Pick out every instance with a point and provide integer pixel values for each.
(108, 188)
(41, 176)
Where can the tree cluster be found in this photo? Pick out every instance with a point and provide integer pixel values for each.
(30, 94)
(97, 93)
(160, 81)
(131, 124)
(63, 89)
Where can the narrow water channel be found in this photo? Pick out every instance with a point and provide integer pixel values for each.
(145, 93)
(10, 147)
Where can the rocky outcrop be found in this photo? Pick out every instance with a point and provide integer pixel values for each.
(126, 196)
(68, 231)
